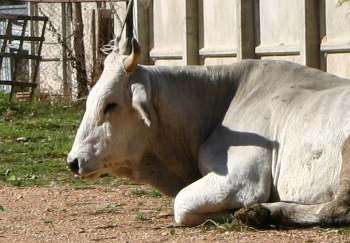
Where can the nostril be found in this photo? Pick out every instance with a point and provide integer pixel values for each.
(74, 166)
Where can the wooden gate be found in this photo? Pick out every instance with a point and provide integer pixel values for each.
(21, 51)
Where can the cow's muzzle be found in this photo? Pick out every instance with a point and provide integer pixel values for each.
(84, 165)
(73, 165)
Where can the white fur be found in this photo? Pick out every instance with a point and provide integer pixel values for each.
(219, 138)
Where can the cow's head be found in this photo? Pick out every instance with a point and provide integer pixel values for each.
(109, 139)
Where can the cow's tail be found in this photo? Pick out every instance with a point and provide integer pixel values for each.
(333, 213)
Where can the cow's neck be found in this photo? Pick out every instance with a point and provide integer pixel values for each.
(188, 103)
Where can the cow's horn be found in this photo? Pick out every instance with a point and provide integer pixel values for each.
(125, 49)
(131, 61)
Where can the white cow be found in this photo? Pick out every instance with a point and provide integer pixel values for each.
(262, 140)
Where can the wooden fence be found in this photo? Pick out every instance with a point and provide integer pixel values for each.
(198, 32)
(311, 32)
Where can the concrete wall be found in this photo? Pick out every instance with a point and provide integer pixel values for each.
(310, 32)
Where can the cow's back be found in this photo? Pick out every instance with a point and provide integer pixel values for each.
(305, 113)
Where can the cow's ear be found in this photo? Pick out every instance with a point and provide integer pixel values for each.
(130, 62)
(140, 102)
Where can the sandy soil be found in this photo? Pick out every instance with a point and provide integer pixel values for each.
(115, 214)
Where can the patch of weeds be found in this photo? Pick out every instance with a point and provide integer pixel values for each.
(48, 222)
(211, 225)
(138, 192)
(109, 208)
(154, 193)
(148, 192)
(2, 209)
(21, 181)
(141, 216)
(81, 183)
(345, 230)
(122, 182)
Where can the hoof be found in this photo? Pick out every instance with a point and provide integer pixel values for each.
(255, 216)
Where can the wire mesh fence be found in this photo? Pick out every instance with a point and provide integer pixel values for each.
(70, 60)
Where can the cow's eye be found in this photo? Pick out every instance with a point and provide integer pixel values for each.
(109, 107)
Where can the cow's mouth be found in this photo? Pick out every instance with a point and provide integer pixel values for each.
(90, 175)
(79, 170)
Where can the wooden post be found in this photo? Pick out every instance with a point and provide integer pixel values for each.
(245, 28)
(102, 35)
(79, 49)
(94, 49)
(191, 33)
(105, 33)
(129, 26)
(66, 90)
(310, 34)
(323, 33)
(142, 29)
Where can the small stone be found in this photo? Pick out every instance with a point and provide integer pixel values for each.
(22, 139)
(81, 231)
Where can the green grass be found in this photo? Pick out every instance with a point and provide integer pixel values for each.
(111, 208)
(141, 216)
(35, 139)
(148, 192)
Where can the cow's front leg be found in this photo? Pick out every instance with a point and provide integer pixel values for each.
(247, 180)
(202, 200)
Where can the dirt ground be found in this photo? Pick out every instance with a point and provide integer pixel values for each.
(116, 214)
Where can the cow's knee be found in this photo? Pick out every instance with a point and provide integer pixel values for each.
(183, 216)
(185, 212)
(193, 205)
(188, 216)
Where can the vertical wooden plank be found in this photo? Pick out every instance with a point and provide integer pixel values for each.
(257, 31)
(4, 43)
(310, 41)
(168, 31)
(38, 54)
(151, 29)
(35, 31)
(79, 49)
(129, 26)
(23, 34)
(18, 60)
(217, 31)
(105, 27)
(246, 32)
(143, 29)
(66, 91)
(323, 33)
(191, 33)
(94, 52)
